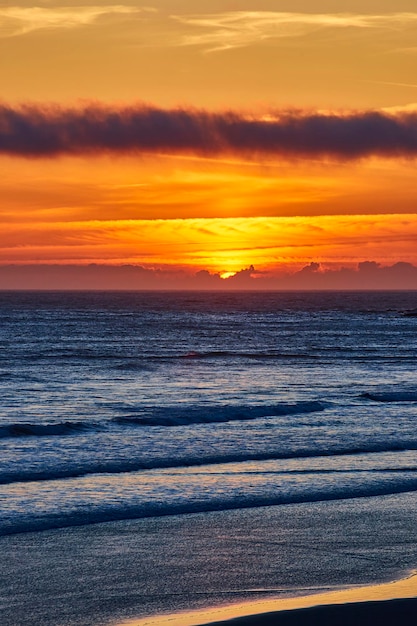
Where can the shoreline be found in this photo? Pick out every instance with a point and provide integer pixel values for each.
(360, 601)
(210, 567)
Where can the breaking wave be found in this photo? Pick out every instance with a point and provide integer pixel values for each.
(391, 396)
(78, 469)
(24, 429)
(164, 416)
(106, 513)
(187, 416)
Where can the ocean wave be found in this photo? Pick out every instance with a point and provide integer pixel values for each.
(129, 466)
(224, 354)
(25, 429)
(187, 416)
(228, 355)
(112, 513)
(391, 396)
(163, 416)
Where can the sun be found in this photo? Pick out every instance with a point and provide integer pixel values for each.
(225, 275)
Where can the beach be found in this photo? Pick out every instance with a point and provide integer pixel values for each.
(387, 603)
(221, 565)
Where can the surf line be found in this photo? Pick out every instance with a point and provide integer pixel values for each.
(403, 588)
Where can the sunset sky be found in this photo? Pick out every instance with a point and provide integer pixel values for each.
(188, 136)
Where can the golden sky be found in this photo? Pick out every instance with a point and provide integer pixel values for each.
(280, 133)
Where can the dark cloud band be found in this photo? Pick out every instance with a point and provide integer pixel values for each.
(49, 131)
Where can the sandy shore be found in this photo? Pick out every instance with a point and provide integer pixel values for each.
(118, 571)
(384, 604)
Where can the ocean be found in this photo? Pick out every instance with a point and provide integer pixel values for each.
(203, 447)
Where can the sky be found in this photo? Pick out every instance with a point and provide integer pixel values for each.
(209, 144)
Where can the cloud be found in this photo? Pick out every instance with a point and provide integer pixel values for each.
(308, 269)
(368, 275)
(35, 131)
(22, 20)
(221, 31)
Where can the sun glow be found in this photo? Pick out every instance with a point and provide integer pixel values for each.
(223, 246)
(225, 275)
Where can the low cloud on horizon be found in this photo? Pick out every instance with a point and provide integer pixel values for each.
(368, 275)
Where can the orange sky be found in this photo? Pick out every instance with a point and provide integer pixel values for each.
(222, 211)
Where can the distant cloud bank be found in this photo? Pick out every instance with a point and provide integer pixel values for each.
(368, 275)
(46, 131)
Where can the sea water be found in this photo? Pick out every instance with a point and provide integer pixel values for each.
(129, 406)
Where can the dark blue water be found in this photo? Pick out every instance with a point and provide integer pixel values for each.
(127, 405)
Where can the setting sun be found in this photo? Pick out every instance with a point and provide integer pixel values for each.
(225, 275)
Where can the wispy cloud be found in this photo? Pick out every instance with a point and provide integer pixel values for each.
(393, 84)
(46, 131)
(22, 20)
(220, 31)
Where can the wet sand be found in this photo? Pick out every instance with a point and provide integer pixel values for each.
(107, 574)
(384, 604)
